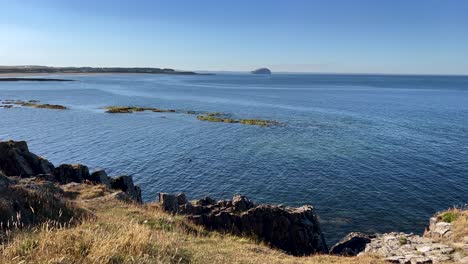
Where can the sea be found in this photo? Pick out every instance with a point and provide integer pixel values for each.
(371, 153)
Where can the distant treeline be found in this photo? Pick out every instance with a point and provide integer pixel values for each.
(44, 69)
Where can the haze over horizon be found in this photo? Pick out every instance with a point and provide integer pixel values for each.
(365, 36)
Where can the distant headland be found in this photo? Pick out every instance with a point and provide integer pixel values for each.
(261, 71)
(87, 70)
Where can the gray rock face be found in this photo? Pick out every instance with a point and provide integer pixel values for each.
(169, 202)
(16, 160)
(125, 183)
(67, 173)
(100, 176)
(294, 230)
(352, 244)
(408, 248)
(438, 229)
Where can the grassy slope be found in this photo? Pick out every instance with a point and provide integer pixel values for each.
(127, 233)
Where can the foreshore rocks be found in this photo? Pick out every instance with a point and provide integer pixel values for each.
(17, 161)
(433, 247)
(408, 248)
(352, 244)
(293, 230)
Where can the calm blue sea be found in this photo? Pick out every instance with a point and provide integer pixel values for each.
(372, 153)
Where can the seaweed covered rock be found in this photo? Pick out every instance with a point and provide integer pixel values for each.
(16, 160)
(294, 230)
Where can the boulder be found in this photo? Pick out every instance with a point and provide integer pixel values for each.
(294, 230)
(438, 229)
(67, 173)
(125, 183)
(175, 203)
(205, 201)
(168, 202)
(181, 199)
(100, 177)
(352, 244)
(16, 160)
(241, 203)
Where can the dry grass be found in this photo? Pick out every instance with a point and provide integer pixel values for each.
(129, 233)
(459, 220)
(23, 206)
(124, 233)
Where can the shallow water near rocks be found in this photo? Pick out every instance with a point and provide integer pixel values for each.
(371, 153)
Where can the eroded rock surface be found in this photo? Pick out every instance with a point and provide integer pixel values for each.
(294, 230)
(67, 173)
(352, 244)
(16, 160)
(408, 248)
(125, 183)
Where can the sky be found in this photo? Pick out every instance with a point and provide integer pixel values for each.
(333, 36)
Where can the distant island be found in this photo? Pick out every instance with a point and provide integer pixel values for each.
(261, 71)
(73, 70)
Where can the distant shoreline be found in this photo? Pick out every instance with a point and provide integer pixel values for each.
(15, 79)
(44, 70)
(42, 74)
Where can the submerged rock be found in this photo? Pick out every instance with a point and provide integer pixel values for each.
(294, 230)
(16, 160)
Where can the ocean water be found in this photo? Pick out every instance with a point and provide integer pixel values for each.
(371, 153)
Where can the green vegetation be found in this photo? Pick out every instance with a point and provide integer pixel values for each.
(33, 104)
(216, 119)
(403, 240)
(221, 117)
(258, 122)
(252, 122)
(202, 116)
(133, 109)
(450, 216)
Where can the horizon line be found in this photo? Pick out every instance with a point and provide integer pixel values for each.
(248, 71)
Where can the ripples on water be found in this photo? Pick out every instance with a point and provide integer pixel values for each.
(372, 153)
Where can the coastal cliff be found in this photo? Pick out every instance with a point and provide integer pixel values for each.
(67, 214)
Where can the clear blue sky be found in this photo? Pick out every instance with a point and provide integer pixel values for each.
(358, 36)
